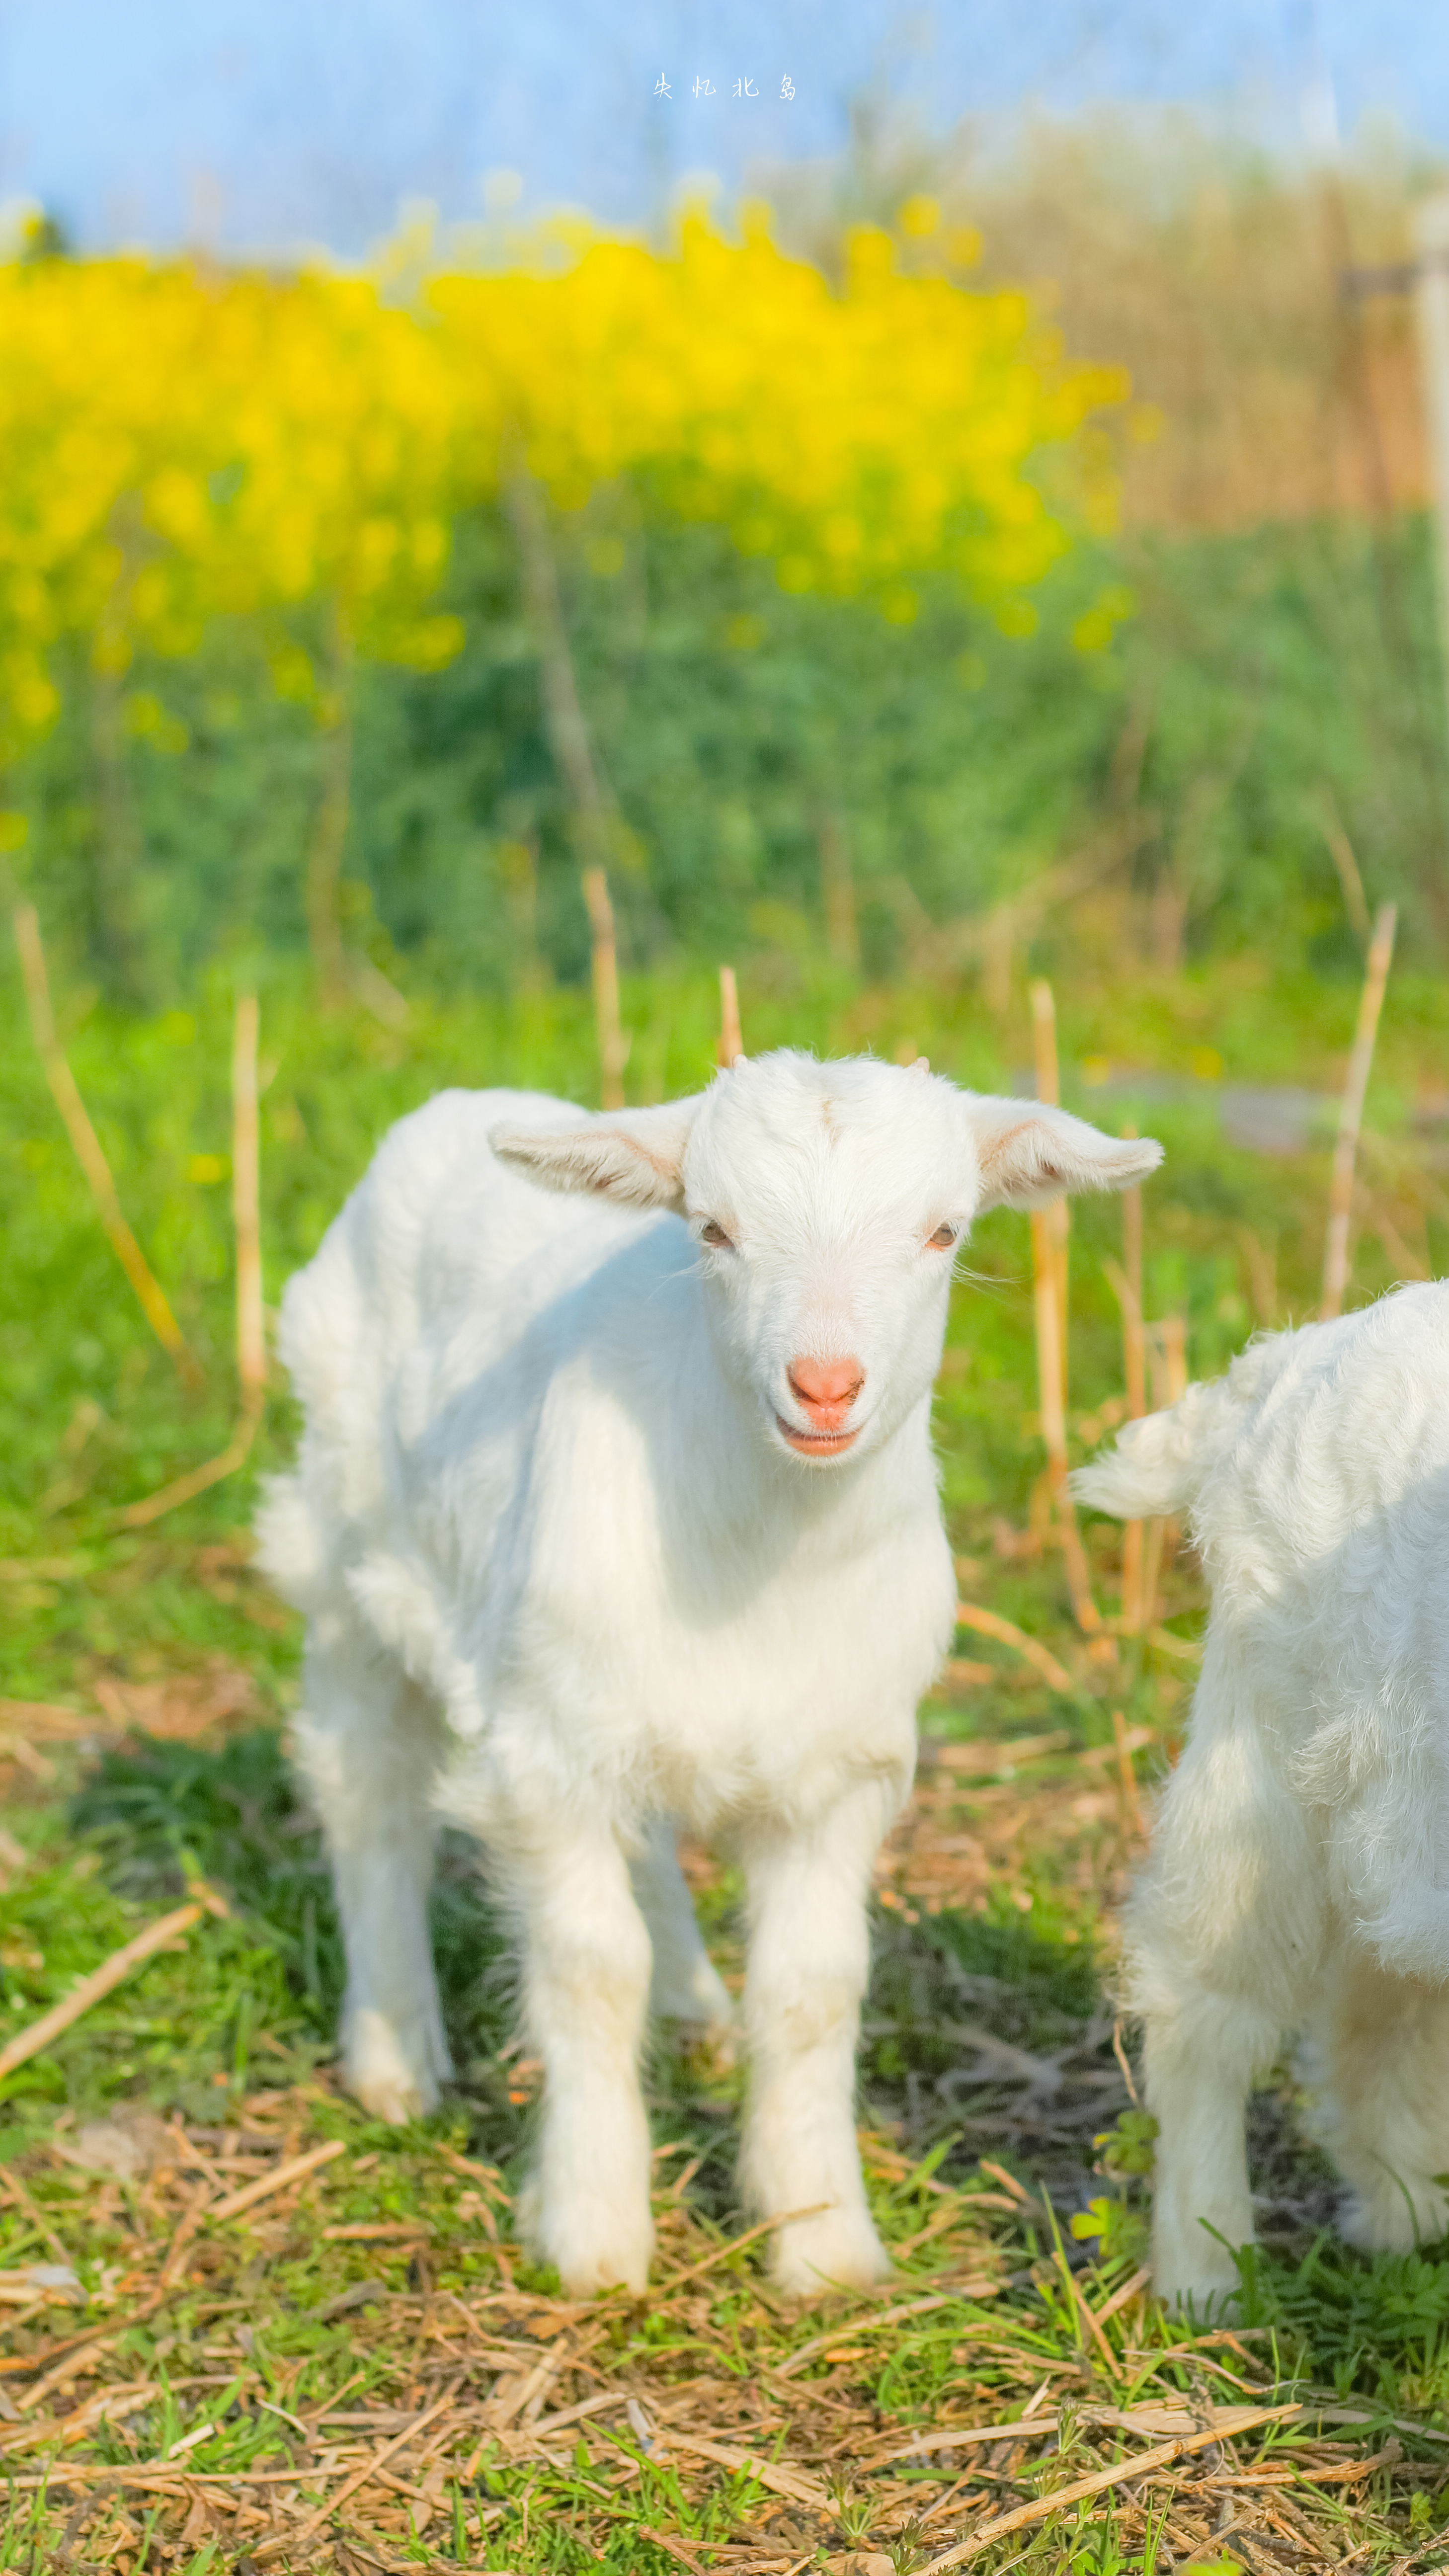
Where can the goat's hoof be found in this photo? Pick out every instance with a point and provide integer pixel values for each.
(590, 2253)
(697, 1996)
(1207, 2298)
(383, 2075)
(837, 2250)
(714, 2046)
(1394, 2221)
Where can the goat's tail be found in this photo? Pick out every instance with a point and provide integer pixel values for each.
(1157, 1465)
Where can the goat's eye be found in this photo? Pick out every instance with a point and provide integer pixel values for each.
(715, 1235)
(944, 1238)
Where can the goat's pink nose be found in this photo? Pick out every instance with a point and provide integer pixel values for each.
(826, 1387)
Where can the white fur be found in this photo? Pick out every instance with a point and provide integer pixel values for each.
(1299, 1876)
(566, 1581)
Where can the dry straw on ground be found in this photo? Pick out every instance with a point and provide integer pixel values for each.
(426, 2406)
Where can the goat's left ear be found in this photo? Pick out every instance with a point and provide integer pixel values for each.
(1030, 1153)
(635, 1156)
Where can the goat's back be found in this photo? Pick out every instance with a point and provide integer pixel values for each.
(430, 1274)
(1323, 1475)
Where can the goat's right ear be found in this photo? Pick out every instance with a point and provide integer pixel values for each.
(634, 1156)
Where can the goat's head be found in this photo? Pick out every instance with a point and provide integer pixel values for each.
(827, 1203)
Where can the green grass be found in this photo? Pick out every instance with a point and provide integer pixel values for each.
(231, 2034)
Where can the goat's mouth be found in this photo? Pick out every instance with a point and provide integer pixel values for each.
(816, 1444)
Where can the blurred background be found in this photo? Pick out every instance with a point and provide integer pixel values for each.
(504, 515)
(507, 512)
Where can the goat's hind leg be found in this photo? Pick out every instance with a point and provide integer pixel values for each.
(367, 1746)
(1225, 1936)
(685, 1985)
(1202, 2050)
(1381, 2055)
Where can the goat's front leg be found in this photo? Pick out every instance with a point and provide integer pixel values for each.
(586, 1989)
(809, 1956)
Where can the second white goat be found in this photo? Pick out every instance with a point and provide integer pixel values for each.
(1299, 1874)
(616, 1507)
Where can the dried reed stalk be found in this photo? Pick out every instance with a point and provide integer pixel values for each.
(989, 1623)
(1134, 1365)
(1057, 1219)
(731, 1040)
(1355, 902)
(1050, 1229)
(568, 739)
(837, 881)
(323, 883)
(295, 2168)
(1170, 1338)
(613, 1045)
(66, 1095)
(293, 2539)
(251, 1341)
(1133, 1818)
(1167, 1347)
(986, 2534)
(1336, 1252)
(112, 1972)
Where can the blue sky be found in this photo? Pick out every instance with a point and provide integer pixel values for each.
(262, 123)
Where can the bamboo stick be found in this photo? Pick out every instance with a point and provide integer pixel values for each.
(87, 1147)
(613, 1045)
(1337, 1257)
(1049, 1240)
(251, 1342)
(731, 1041)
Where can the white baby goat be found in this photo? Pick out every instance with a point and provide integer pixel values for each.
(616, 1506)
(1299, 1875)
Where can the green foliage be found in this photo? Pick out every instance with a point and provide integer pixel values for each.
(160, 1811)
(1127, 2150)
(167, 2034)
(1259, 675)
